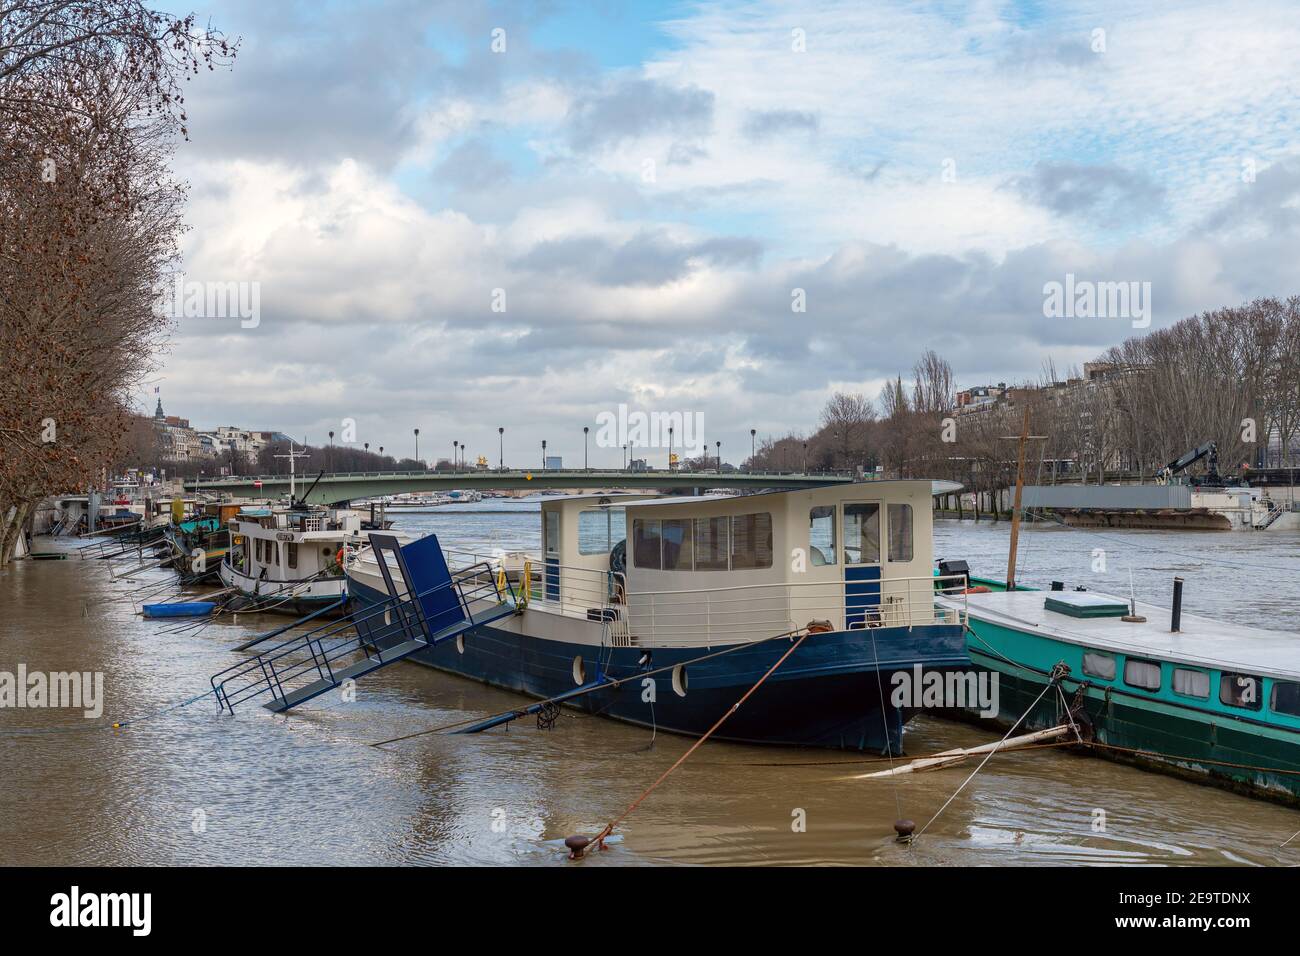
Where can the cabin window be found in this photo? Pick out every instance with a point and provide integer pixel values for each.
(1143, 674)
(1240, 690)
(1099, 665)
(678, 553)
(645, 544)
(900, 532)
(599, 531)
(551, 528)
(1286, 698)
(291, 554)
(712, 544)
(272, 553)
(751, 541)
(1191, 683)
(862, 534)
(257, 549)
(821, 535)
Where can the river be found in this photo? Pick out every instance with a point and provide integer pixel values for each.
(191, 786)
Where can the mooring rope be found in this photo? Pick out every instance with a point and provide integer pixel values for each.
(114, 725)
(1049, 686)
(609, 828)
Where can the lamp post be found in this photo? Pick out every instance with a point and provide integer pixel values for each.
(501, 439)
(464, 458)
(455, 455)
(753, 438)
(805, 458)
(670, 447)
(329, 462)
(585, 429)
(625, 457)
(543, 454)
(417, 445)
(719, 444)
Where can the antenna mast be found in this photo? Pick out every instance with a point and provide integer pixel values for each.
(291, 456)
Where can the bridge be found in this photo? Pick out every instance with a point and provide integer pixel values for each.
(353, 486)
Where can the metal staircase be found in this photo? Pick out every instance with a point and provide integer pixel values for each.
(431, 606)
(1274, 513)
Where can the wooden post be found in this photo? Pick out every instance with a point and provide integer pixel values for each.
(1015, 511)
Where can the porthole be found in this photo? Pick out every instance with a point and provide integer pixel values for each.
(579, 671)
(460, 643)
(679, 680)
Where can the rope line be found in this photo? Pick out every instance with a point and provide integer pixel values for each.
(1050, 685)
(609, 828)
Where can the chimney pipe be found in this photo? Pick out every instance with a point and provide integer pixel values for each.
(1177, 616)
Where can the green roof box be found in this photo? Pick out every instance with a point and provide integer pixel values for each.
(1083, 604)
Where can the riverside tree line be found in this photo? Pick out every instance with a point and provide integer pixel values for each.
(1231, 376)
(91, 107)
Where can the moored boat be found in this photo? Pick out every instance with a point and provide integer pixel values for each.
(289, 560)
(1207, 700)
(704, 592)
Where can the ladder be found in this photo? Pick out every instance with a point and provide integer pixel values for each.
(431, 606)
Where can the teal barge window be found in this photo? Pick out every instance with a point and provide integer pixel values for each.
(1240, 690)
(1191, 683)
(821, 536)
(1286, 698)
(1096, 664)
(712, 544)
(900, 532)
(1143, 674)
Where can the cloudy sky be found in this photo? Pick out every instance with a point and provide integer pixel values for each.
(463, 215)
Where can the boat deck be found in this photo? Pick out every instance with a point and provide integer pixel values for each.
(1201, 641)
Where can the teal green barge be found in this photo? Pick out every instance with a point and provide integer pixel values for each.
(1215, 702)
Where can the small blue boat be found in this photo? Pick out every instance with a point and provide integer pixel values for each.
(180, 609)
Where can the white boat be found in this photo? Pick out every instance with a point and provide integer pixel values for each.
(290, 560)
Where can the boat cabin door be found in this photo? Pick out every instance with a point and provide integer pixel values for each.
(551, 553)
(861, 536)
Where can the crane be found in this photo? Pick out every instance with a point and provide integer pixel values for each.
(1212, 477)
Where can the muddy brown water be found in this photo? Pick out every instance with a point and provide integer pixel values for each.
(192, 786)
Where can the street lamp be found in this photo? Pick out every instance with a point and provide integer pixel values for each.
(625, 457)
(670, 447)
(417, 445)
(543, 454)
(753, 433)
(464, 458)
(719, 444)
(455, 456)
(329, 462)
(501, 438)
(805, 458)
(585, 429)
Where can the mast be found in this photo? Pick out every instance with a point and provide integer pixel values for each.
(1020, 487)
(291, 456)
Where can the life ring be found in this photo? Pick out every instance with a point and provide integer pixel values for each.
(978, 589)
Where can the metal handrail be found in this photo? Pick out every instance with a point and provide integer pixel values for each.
(313, 641)
(703, 615)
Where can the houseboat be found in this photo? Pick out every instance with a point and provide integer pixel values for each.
(1207, 700)
(289, 560)
(707, 594)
